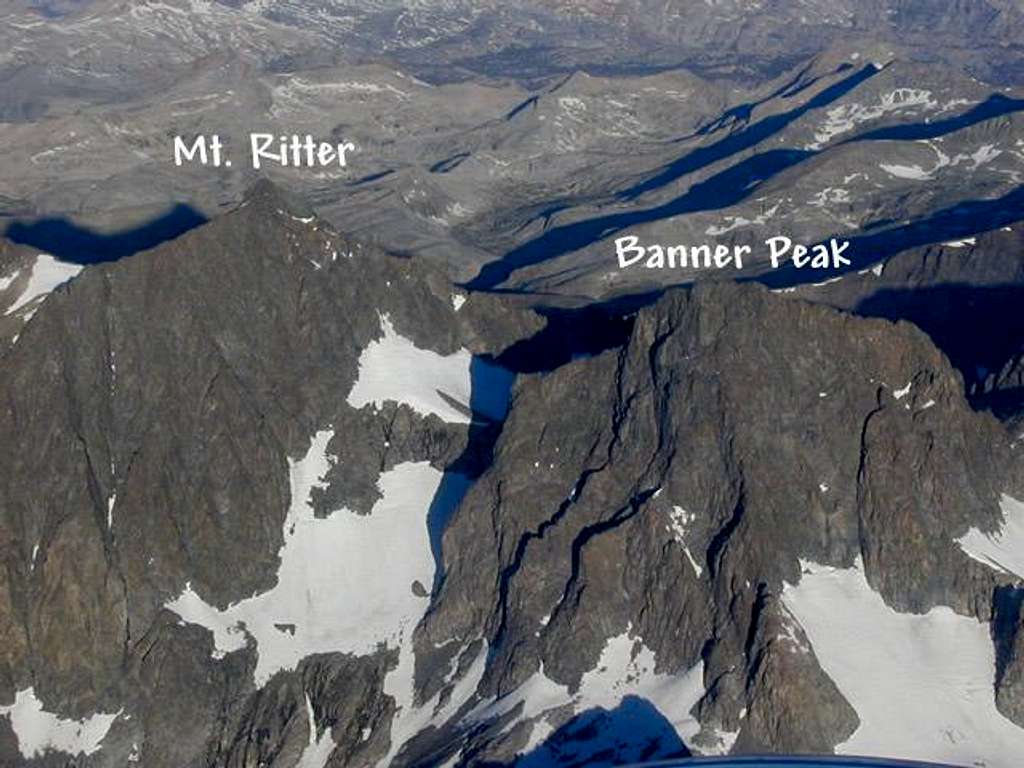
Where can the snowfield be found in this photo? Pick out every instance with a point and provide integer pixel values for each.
(319, 748)
(921, 684)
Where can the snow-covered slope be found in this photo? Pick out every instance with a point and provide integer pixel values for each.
(921, 684)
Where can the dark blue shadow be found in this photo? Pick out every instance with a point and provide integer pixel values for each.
(978, 327)
(792, 761)
(370, 178)
(634, 731)
(449, 163)
(726, 188)
(81, 245)
(491, 387)
(449, 496)
(569, 334)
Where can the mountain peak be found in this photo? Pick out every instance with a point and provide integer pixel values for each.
(265, 195)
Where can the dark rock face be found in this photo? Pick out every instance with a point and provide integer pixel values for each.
(655, 497)
(962, 294)
(783, 688)
(1009, 640)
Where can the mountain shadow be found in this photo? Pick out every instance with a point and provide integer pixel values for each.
(76, 244)
(633, 732)
(491, 392)
(749, 136)
(979, 328)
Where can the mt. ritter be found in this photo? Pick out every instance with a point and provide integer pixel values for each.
(391, 464)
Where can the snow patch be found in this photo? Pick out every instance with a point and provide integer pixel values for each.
(846, 117)
(830, 196)
(915, 172)
(5, 282)
(39, 732)
(679, 521)
(790, 634)
(326, 564)
(735, 222)
(323, 601)
(399, 684)
(626, 667)
(393, 368)
(961, 243)
(718, 743)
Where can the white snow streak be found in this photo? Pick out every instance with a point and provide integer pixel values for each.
(921, 684)
(680, 520)
(47, 274)
(409, 719)
(318, 750)
(915, 172)
(961, 243)
(1004, 549)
